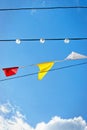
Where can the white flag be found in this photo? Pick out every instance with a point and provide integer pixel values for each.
(75, 56)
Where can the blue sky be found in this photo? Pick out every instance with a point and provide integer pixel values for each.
(60, 93)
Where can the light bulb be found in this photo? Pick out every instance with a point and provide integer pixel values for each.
(18, 41)
(66, 40)
(42, 40)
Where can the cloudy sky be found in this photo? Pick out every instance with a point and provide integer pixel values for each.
(17, 121)
(58, 101)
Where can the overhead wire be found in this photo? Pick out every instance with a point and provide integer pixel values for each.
(46, 39)
(55, 69)
(43, 8)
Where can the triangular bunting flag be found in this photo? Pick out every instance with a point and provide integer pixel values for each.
(44, 68)
(10, 71)
(75, 56)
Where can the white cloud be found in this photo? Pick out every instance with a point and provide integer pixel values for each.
(11, 119)
(5, 108)
(16, 121)
(58, 123)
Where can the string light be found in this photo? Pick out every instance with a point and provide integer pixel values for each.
(43, 40)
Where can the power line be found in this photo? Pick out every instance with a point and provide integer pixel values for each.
(55, 69)
(44, 8)
(46, 39)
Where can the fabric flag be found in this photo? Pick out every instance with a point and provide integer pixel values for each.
(44, 68)
(75, 56)
(10, 71)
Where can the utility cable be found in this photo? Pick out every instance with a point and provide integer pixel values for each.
(55, 69)
(43, 8)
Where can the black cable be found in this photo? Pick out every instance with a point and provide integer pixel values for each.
(64, 67)
(37, 39)
(43, 8)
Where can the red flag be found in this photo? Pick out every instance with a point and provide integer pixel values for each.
(10, 71)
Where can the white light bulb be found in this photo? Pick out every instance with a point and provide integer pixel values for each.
(18, 41)
(42, 40)
(66, 40)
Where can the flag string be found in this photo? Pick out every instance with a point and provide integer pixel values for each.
(55, 69)
(43, 66)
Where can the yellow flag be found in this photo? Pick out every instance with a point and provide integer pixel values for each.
(44, 68)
